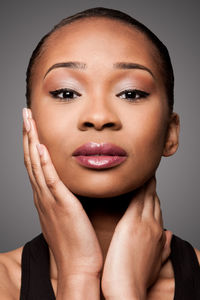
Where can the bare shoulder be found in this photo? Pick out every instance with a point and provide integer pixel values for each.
(164, 287)
(197, 254)
(10, 274)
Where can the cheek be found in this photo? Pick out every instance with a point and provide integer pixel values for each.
(56, 129)
(150, 135)
(147, 139)
(142, 134)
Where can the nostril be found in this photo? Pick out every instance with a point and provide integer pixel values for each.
(99, 125)
(109, 125)
(88, 124)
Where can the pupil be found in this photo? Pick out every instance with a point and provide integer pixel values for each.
(67, 94)
(130, 93)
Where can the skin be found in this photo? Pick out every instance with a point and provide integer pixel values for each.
(99, 106)
(144, 128)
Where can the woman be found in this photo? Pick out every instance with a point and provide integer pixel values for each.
(99, 118)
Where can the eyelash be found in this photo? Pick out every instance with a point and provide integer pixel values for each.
(138, 94)
(55, 94)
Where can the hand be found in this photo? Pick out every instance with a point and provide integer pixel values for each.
(65, 225)
(138, 248)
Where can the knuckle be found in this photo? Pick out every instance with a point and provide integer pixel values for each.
(44, 162)
(24, 130)
(158, 233)
(35, 168)
(52, 182)
(153, 231)
(148, 232)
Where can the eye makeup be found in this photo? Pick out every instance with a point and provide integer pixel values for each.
(128, 85)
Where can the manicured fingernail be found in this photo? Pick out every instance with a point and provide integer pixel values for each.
(30, 113)
(40, 149)
(27, 125)
(26, 121)
(25, 112)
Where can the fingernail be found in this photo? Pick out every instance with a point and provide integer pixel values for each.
(25, 112)
(40, 149)
(26, 121)
(30, 113)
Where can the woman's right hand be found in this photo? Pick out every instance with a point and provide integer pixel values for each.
(65, 224)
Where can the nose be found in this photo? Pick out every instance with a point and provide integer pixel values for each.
(99, 116)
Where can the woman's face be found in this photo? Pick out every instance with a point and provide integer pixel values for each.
(99, 110)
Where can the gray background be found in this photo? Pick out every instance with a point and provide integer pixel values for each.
(23, 23)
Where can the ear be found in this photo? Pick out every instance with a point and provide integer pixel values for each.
(172, 136)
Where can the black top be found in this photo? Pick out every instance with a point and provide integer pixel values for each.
(36, 284)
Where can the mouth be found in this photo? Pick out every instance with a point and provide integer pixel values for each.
(99, 156)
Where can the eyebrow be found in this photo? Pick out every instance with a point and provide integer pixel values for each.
(130, 65)
(81, 65)
(69, 64)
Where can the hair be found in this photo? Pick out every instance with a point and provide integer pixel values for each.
(164, 60)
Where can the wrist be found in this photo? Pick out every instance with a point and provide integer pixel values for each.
(126, 296)
(78, 287)
(123, 292)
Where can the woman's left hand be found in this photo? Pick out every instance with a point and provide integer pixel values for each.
(138, 248)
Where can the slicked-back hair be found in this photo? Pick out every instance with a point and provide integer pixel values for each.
(164, 61)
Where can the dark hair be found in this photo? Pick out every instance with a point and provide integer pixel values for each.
(164, 58)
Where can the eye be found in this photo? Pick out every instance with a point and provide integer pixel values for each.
(133, 95)
(65, 94)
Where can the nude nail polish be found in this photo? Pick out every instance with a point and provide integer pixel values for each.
(29, 113)
(25, 118)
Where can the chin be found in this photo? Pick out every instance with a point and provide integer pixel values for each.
(96, 194)
(104, 184)
(101, 190)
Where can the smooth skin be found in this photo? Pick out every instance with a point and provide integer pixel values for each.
(63, 219)
(117, 249)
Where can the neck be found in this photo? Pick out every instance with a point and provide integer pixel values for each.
(104, 214)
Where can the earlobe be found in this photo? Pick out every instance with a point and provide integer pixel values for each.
(172, 137)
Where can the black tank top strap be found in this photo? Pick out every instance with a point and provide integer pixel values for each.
(35, 283)
(186, 270)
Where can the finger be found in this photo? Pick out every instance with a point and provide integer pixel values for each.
(158, 211)
(60, 192)
(149, 199)
(151, 186)
(35, 158)
(135, 207)
(27, 161)
(44, 196)
(148, 209)
(167, 247)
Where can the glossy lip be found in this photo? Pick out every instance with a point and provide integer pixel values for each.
(99, 156)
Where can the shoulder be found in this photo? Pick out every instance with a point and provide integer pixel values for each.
(197, 254)
(10, 274)
(165, 284)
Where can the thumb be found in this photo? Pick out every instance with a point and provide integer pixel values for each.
(167, 247)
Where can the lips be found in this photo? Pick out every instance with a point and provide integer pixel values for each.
(99, 156)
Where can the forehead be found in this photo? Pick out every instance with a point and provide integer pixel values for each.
(98, 42)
